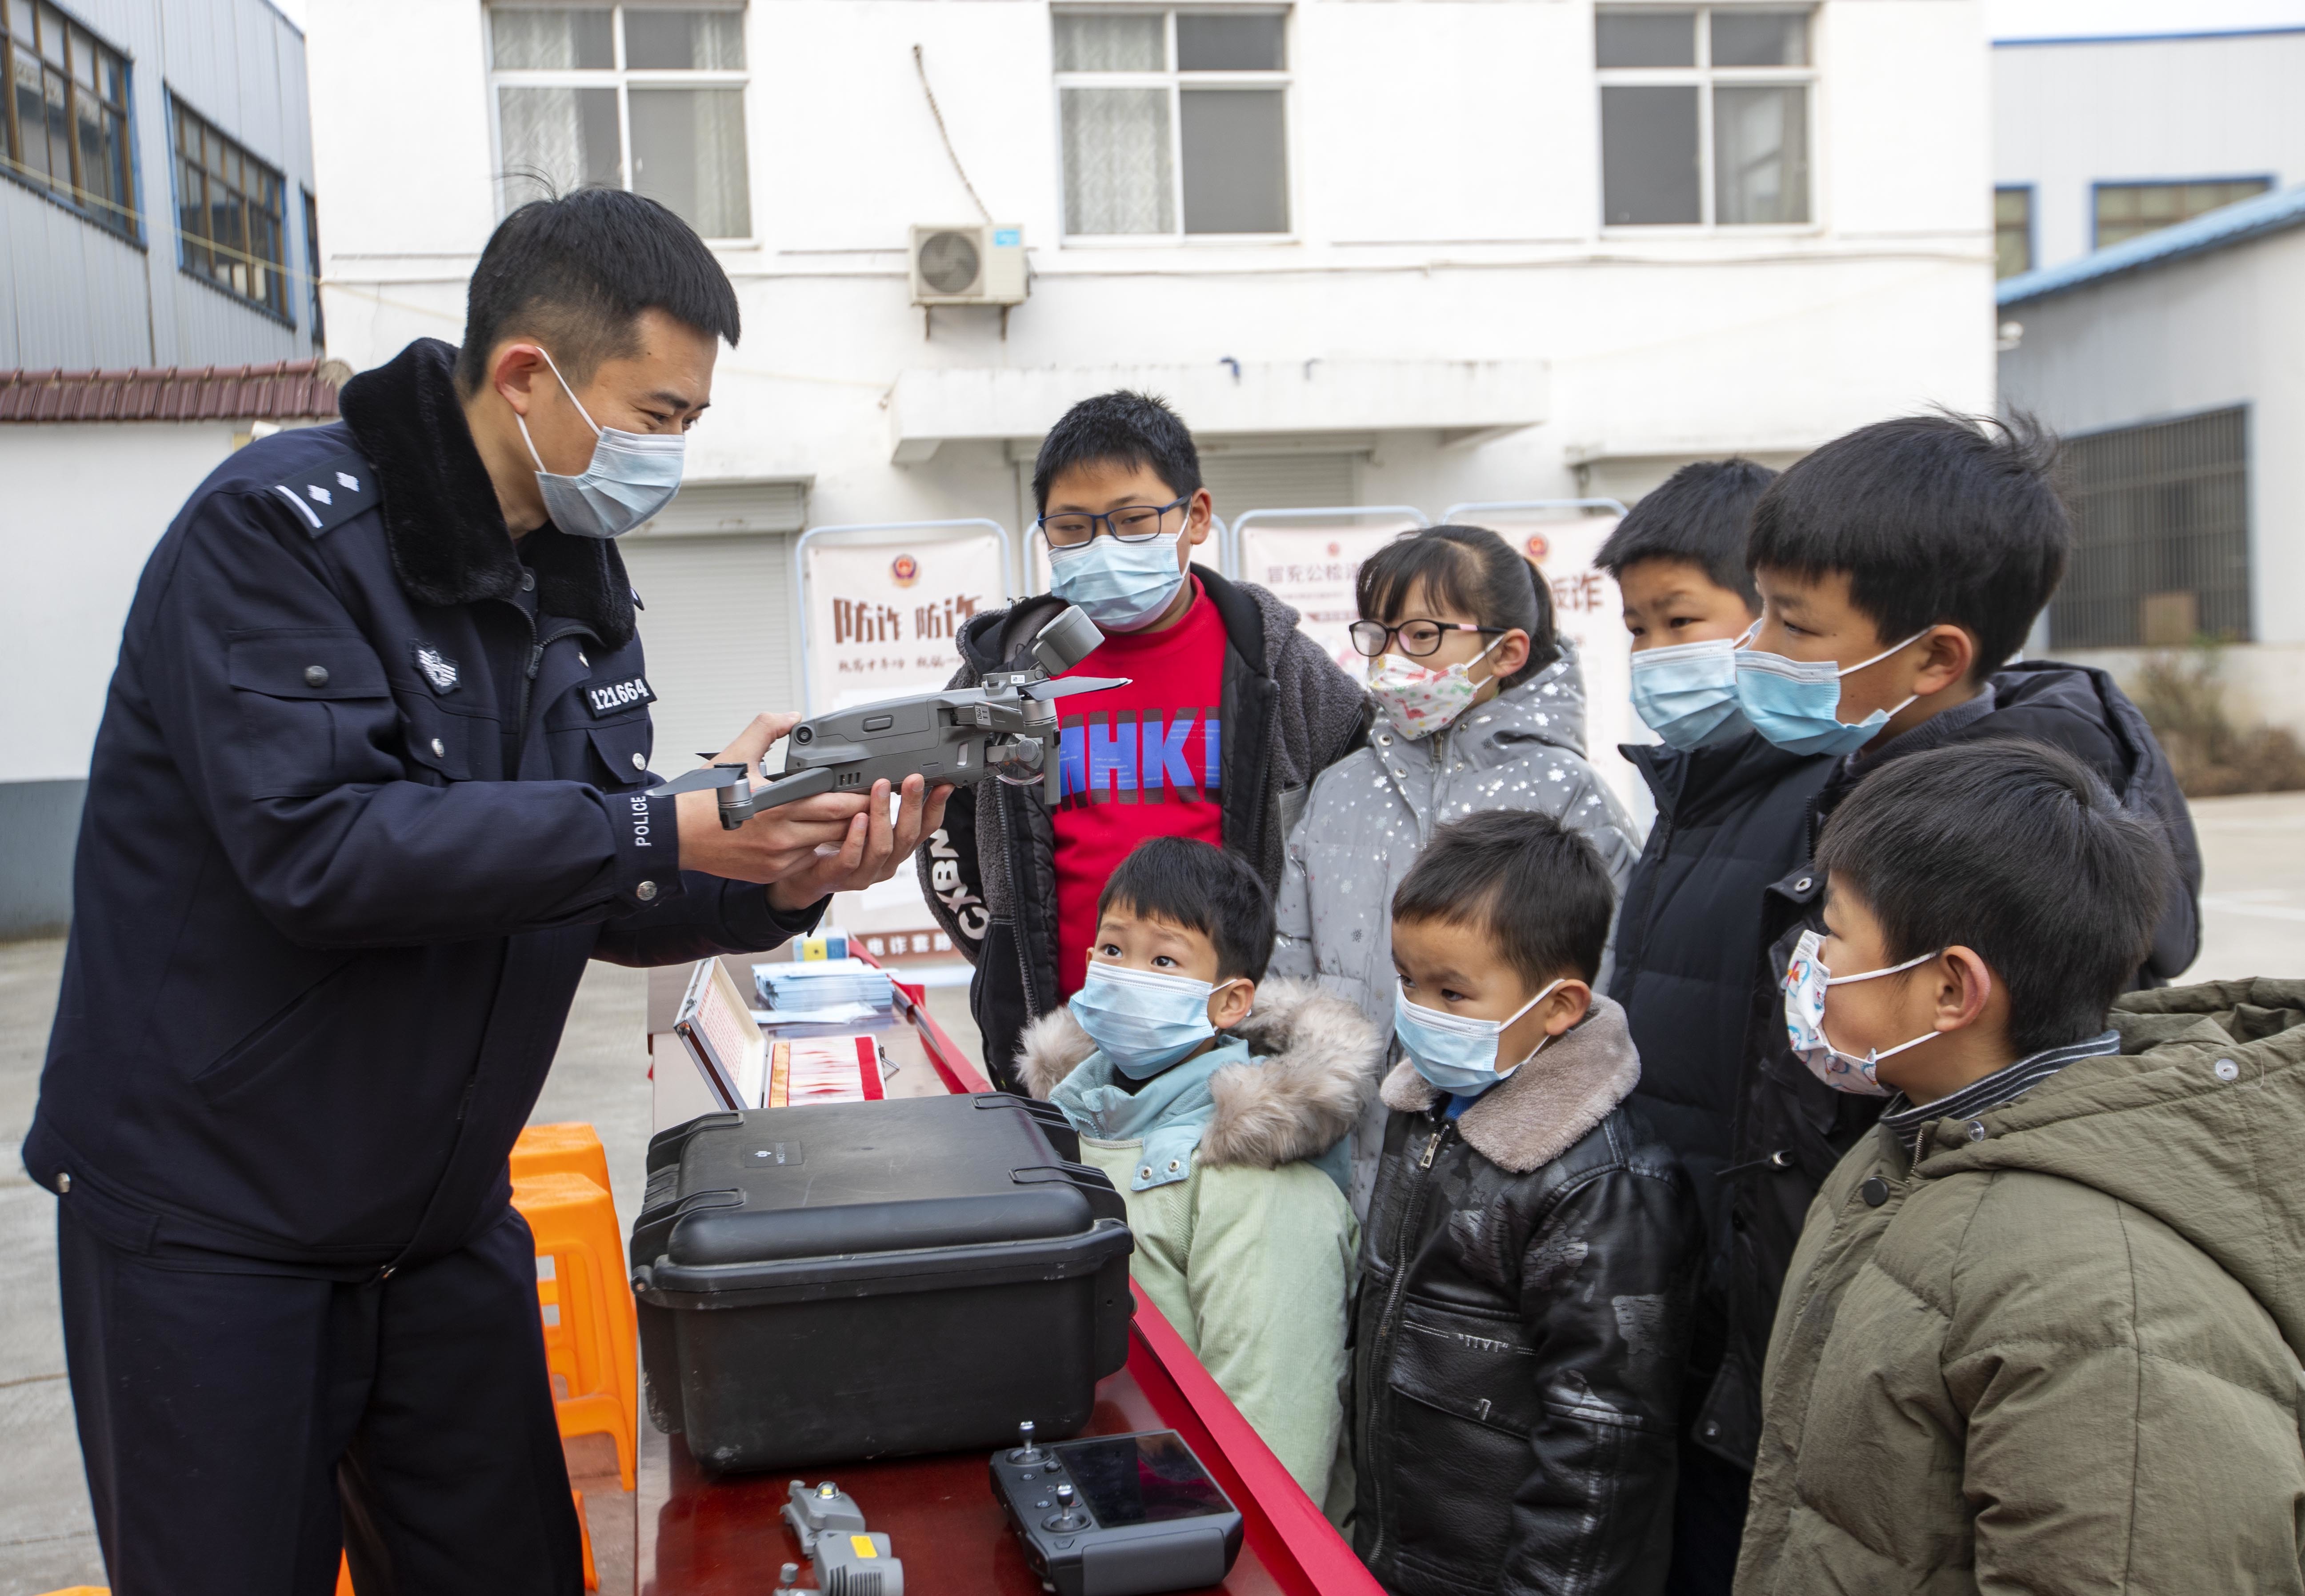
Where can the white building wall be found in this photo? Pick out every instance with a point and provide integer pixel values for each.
(86, 504)
(2219, 329)
(2069, 114)
(1445, 171)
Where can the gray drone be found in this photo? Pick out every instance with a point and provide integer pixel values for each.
(1006, 729)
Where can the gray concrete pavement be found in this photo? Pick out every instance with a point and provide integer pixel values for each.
(2253, 896)
(2254, 922)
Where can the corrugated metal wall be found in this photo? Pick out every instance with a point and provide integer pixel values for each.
(74, 293)
(77, 296)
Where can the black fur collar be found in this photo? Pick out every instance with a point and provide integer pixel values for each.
(441, 523)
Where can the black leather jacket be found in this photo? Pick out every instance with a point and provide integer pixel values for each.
(1518, 1339)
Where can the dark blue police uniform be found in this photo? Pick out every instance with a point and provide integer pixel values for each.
(366, 796)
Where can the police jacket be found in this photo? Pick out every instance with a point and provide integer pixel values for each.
(1791, 1128)
(990, 873)
(1518, 1333)
(365, 797)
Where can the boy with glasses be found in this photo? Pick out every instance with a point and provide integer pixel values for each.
(1228, 715)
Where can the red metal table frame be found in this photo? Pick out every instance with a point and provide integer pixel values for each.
(702, 1536)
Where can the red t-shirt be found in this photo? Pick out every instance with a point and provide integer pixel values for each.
(1139, 761)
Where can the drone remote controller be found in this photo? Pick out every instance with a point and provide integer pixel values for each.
(1117, 1515)
(1004, 729)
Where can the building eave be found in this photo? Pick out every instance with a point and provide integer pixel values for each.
(280, 391)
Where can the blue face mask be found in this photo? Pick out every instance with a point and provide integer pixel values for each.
(1121, 586)
(632, 476)
(1686, 692)
(1142, 1019)
(1795, 704)
(1454, 1052)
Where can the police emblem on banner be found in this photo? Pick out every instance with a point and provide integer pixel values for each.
(436, 667)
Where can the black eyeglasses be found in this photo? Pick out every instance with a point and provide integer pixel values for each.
(1131, 524)
(1417, 638)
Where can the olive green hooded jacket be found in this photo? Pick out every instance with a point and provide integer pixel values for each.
(2059, 1350)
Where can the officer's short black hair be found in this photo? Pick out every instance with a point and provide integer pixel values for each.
(576, 273)
(1521, 878)
(1472, 571)
(1699, 515)
(1935, 519)
(1200, 888)
(2018, 852)
(1119, 429)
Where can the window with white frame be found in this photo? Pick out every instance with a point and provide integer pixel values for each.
(1705, 115)
(646, 97)
(1173, 122)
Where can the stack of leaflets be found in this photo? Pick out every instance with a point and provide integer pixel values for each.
(822, 1069)
(823, 992)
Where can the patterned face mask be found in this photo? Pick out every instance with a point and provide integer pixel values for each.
(1420, 702)
(1806, 980)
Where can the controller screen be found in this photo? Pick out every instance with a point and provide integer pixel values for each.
(1140, 1479)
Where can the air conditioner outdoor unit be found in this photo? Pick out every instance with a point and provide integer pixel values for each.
(972, 263)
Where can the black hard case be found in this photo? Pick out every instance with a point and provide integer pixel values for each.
(855, 1281)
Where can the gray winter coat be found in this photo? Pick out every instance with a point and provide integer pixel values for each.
(1372, 813)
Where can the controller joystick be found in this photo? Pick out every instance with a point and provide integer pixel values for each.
(1067, 1515)
(1026, 1454)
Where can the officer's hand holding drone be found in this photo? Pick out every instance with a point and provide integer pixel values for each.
(833, 842)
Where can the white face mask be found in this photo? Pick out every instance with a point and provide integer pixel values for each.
(630, 476)
(1420, 702)
(1806, 980)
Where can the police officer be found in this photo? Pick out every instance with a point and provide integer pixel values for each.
(368, 792)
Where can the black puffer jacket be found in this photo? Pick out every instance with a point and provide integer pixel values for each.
(1730, 822)
(1519, 1333)
(1791, 1128)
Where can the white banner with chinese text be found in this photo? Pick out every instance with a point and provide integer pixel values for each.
(883, 609)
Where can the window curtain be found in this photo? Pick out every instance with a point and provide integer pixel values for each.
(1118, 176)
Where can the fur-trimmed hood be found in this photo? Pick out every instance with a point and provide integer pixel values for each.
(1317, 1064)
(447, 536)
(1546, 1105)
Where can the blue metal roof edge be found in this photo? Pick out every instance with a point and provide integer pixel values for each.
(2022, 41)
(2228, 225)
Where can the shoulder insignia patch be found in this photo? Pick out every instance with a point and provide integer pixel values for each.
(330, 492)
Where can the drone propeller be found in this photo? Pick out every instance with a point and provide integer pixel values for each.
(702, 781)
(1044, 691)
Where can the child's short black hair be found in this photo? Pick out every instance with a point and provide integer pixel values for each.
(1939, 518)
(1700, 514)
(2018, 852)
(1122, 428)
(1523, 879)
(576, 273)
(1203, 889)
(1469, 569)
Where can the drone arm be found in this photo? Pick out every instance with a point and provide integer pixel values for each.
(791, 789)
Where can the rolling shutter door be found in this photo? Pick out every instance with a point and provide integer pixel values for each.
(1297, 481)
(718, 634)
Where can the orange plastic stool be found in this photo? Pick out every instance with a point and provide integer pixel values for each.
(591, 1570)
(344, 1566)
(572, 1148)
(587, 1307)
